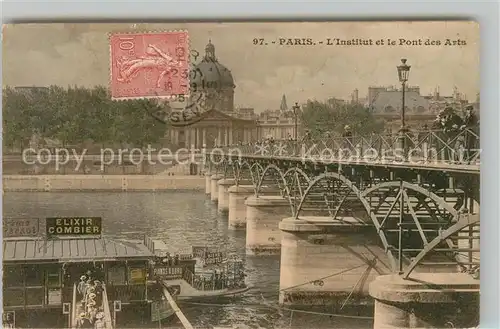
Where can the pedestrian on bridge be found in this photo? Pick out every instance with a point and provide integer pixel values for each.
(347, 131)
(347, 135)
(450, 123)
(471, 123)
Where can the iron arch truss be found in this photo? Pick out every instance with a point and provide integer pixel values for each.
(330, 192)
(408, 218)
(412, 219)
(298, 182)
(272, 177)
(245, 171)
(465, 221)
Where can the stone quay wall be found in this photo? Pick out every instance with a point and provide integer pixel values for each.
(117, 183)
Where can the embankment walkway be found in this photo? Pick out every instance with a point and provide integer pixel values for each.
(116, 183)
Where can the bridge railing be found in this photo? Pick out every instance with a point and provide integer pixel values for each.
(458, 147)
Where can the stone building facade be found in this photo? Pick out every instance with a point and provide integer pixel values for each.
(386, 104)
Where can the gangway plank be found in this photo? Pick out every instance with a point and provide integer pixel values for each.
(77, 309)
(185, 322)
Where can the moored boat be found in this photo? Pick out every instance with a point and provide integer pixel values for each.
(42, 274)
(193, 277)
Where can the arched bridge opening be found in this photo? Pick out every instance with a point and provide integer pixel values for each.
(290, 184)
(412, 219)
(247, 173)
(420, 230)
(335, 196)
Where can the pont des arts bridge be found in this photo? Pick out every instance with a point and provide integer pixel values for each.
(386, 220)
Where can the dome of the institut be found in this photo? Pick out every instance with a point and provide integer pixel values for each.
(211, 74)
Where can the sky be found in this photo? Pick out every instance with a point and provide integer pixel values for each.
(78, 54)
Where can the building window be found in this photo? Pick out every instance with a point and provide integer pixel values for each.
(420, 109)
(389, 109)
(35, 296)
(53, 277)
(116, 275)
(34, 276)
(12, 276)
(13, 297)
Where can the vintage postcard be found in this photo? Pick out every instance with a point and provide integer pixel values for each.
(241, 175)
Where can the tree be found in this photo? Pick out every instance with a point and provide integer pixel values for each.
(75, 115)
(17, 124)
(143, 129)
(321, 118)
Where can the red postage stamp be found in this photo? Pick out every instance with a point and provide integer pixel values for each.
(149, 64)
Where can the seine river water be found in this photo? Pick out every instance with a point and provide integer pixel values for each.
(184, 219)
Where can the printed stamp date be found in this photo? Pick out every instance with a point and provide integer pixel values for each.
(149, 64)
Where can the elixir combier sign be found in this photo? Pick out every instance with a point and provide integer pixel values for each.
(66, 226)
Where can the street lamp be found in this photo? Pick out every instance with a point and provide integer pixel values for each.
(403, 74)
(296, 109)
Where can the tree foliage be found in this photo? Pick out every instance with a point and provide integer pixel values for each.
(331, 118)
(76, 115)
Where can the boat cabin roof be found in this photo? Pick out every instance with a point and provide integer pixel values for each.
(73, 250)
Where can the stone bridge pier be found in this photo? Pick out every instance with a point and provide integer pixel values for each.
(237, 208)
(425, 300)
(223, 199)
(263, 214)
(214, 187)
(208, 182)
(329, 262)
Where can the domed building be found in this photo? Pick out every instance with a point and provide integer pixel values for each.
(215, 81)
(212, 87)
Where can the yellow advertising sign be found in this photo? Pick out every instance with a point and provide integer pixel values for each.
(137, 275)
(17, 227)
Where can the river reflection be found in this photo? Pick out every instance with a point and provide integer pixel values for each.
(183, 219)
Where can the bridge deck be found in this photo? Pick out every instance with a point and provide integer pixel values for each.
(432, 166)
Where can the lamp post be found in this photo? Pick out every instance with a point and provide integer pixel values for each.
(403, 74)
(296, 109)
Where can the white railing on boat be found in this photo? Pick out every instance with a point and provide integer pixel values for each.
(199, 282)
